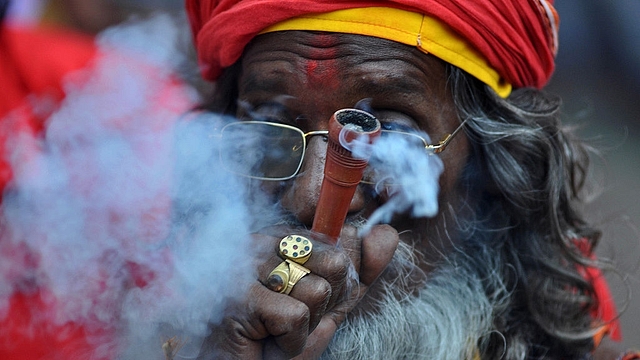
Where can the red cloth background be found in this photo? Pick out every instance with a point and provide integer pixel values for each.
(37, 66)
(33, 63)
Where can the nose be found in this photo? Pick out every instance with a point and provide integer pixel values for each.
(301, 198)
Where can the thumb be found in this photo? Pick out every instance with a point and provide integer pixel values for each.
(378, 247)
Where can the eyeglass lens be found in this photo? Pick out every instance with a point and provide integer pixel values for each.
(275, 152)
(262, 150)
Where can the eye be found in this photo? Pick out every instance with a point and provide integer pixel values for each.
(396, 121)
(393, 126)
(267, 111)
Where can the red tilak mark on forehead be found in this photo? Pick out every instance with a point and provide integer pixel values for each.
(322, 68)
(322, 73)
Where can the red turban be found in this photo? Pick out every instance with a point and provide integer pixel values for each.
(517, 38)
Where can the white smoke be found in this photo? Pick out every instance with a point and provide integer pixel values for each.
(120, 210)
(406, 173)
(123, 213)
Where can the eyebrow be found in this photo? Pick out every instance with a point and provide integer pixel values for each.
(400, 89)
(405, 84)
(254, 81)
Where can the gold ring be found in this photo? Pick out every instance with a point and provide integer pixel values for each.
(296, 248)
(285, 276)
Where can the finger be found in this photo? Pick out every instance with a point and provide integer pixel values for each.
(312, 289)
(322, 259)
(315, 292)
(335, 266)
(371, 254)
(319, 339)
(351, 244)
(329, 262)
(378, 247)
(263, 315)
(284, 318)
(294, 333)
(326, 284)
(332, 264)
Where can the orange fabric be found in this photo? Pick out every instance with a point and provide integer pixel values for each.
(518, 38)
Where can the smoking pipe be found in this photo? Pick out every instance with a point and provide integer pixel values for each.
(342, 171)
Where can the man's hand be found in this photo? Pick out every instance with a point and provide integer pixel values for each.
(271, 325)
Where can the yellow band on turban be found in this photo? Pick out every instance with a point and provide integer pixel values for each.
(426, 33)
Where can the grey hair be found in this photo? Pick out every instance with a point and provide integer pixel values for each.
(523, 182)
(445, 320)
(526, 173)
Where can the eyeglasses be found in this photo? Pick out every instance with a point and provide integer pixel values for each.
(272, 151)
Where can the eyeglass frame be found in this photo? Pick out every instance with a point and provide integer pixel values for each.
(431, 148)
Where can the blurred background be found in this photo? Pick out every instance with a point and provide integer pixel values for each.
(598, 76)
(89, 16)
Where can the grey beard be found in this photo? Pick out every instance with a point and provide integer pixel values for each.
(447, 319)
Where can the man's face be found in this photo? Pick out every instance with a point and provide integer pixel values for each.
(302, 78)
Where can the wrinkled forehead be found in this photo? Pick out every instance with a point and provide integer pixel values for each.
(329, 45)
(341, 59)
(318, 73)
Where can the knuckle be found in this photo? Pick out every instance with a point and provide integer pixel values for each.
(337, 267)
(299, 316)
(321, 289)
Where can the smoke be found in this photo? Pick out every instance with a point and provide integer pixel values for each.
(120, 210)
(121, 216)
(401, 168)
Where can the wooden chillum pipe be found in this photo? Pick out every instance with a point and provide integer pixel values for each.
(342, 171)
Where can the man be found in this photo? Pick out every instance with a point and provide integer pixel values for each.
(505, 268)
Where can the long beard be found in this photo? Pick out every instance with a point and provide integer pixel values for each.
(446, 319)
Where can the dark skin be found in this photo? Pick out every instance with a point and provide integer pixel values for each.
(301, 79)
(321, 73)
(318, 74)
